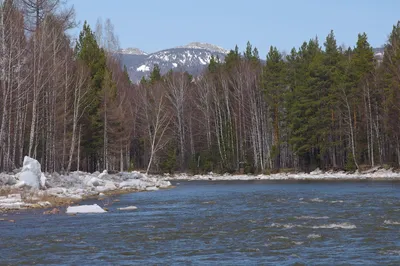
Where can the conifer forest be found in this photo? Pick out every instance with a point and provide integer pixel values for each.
(71, 105)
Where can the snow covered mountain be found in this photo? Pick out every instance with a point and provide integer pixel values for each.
(132, 51)
(193, 58)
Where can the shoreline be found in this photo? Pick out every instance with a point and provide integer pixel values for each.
(373, 174)
(70, 190)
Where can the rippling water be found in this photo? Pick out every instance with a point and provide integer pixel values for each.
(224, 223)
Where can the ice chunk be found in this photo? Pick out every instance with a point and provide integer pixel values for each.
(20, 184)
(104, 174)
(130, 208)
(31, 173)
(94, 181)
(110, 185)
(29, 179)
(42, 180)
(152, 188)
(85, 209)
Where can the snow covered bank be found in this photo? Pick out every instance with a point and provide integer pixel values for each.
(376, 173)
(33, 189)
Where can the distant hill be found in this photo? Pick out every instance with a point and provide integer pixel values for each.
(193, 58)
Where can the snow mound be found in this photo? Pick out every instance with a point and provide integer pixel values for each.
(85, 209)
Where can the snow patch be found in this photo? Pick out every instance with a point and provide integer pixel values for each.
(202, 61)
(143, 68)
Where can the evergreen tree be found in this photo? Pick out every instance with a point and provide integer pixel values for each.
(155, 75)
(274, 89)
(248, 54)
(362, 69)
(304, 105)
(88, 51)
(390, 75)
(213, 65)
(328, 112)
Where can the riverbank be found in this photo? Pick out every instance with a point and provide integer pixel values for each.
(376, 173)
(65, 190)
(61, 190)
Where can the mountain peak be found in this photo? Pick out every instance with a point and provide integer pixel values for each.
(206, 46)
(132, 51)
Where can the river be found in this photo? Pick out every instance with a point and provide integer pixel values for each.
(219, 223)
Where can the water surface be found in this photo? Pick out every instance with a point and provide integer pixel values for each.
(220, 223)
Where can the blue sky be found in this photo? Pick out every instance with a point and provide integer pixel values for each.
(152, 25)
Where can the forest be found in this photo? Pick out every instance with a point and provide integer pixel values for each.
(71, 105)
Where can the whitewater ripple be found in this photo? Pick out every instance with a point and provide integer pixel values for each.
(390, 222)
(335, 226)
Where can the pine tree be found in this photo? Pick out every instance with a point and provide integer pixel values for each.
(155, 75)
(362, 64)
(390, 72)
(274, 89)
(328, 112)
(94, 57)
(304, 104)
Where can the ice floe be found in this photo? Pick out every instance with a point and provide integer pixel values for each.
(129, 208)
(85, 209)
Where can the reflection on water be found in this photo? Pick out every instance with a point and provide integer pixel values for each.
(225, 223)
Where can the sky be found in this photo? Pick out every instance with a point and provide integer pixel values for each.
(153, 25)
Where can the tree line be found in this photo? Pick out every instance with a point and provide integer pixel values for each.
(70, 104)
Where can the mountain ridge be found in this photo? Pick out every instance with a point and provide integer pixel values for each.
(192, 58)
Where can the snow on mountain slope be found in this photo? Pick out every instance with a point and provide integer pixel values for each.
(193, 58)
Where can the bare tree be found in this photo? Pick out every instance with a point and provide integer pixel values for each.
(155, 118)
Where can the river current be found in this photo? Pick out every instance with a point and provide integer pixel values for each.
(219, 223)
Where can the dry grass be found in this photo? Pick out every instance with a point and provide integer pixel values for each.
(4, 191)
(53, 200)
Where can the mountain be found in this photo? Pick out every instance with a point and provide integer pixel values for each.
(193, 58)
(132, 51)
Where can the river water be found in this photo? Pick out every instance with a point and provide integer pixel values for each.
(220, 223)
